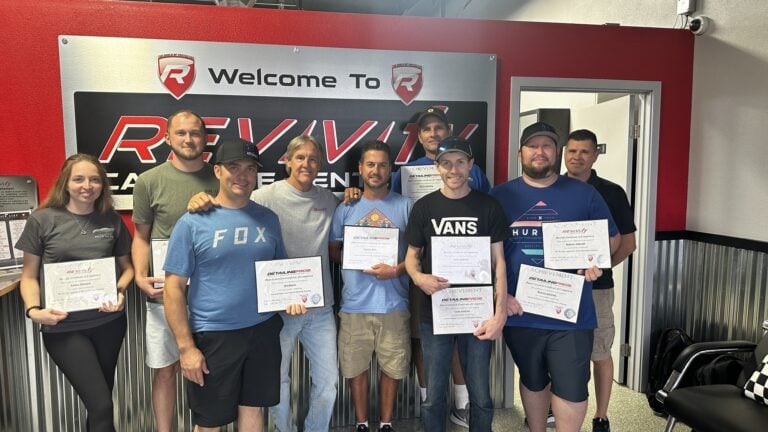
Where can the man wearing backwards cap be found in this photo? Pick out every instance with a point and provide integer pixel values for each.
(456, 209)
(434, 127)
(229, 351)
(541, 195)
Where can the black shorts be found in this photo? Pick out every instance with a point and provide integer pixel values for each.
(244, 367)
(557, 356)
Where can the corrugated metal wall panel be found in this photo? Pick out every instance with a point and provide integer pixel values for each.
(15, 401)
(713, 292)
(59, 409)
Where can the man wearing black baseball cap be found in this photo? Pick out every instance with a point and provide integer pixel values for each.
(433, 127)
(456, 210)
(226, 345)
(552, 355)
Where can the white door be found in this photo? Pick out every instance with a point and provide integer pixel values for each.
(613, 123)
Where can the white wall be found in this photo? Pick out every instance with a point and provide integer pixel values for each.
(728, 162)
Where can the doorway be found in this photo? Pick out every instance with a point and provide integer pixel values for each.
(625, 117)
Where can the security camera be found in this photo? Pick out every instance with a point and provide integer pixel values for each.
(699, 25)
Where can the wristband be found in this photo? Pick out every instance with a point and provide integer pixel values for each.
(30, 309)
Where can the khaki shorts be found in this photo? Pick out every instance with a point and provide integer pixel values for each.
(601, 348)
(360, 335)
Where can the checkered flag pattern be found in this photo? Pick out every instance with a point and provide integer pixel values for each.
(756, 387)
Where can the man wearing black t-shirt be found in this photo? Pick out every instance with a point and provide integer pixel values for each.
(580, 154)
(455, 209)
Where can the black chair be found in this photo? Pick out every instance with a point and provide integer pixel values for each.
(718, 407)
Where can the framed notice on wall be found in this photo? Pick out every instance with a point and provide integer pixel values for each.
(11, 226)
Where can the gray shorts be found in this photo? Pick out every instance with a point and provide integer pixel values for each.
(161, 349)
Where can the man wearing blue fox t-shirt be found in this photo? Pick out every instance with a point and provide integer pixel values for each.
(553, 356)
(374, 302)
(226, 345)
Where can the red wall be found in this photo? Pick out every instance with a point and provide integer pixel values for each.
(31, 111)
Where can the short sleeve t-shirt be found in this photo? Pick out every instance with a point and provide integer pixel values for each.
(476, 214)
(217, 251)
(363, 293)
(55, 236)
(526, 207)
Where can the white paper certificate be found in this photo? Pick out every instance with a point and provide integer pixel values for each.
(365, 247)
(576, 245)
(419, 180)
(550, 293)
(461, 309)
(80, 285)
(462, 260)
(289, 281)
(159, 248)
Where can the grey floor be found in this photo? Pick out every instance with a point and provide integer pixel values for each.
(628, 412)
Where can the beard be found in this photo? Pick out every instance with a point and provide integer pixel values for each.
(187, 156)
(538, 173)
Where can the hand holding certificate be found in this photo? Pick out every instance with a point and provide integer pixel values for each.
(365, 247)
(576, 245)
(80, 285)
(159, 248)
(461, 309)
(462, 260)
(549, 293)
(280, 283)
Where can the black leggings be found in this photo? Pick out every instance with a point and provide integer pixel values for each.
(88, 359)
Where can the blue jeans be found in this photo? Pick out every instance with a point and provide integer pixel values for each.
(317, 332)
(475, 357)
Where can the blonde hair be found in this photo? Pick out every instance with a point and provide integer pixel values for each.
(58, 196)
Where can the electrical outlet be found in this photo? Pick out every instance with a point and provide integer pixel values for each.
(686, 7)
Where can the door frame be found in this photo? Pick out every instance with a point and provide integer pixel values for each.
(646, 168)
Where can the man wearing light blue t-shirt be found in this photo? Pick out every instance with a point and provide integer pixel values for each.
(374, 301)
(553, 356)
(225, 344)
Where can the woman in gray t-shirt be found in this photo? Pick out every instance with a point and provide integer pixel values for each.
(77, 222)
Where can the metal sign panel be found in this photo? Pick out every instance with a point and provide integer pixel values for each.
(117, 93)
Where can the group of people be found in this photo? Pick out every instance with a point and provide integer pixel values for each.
(203, 319)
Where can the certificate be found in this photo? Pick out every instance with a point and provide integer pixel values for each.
(549, 293)
(80, 285)
(365, 247)
(461, 309)
(419, 180)
(462, 260)
(576, 245)
(159, 247)
(289, 281)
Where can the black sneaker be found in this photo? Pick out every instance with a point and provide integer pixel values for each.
(361, 428)
(550, 419)
(601, 425)
(386, 428)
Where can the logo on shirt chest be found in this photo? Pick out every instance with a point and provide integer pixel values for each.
(455, 226)
(240, 236)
